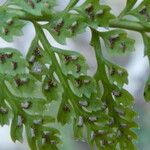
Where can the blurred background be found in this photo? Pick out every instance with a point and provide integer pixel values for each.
(136, 64)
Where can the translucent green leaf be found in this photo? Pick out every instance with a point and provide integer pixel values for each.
(78, 127)
(31, 105)
(12, 62)
(38, 59)
(91, 104)
(95, 14)
(142, 12)
(72, 63)
(65, 25)
(83, 86)
(49, 139)
(129, 5)
(116, 74)
(17, 127)
(30, 137)
(10, 26)
(65, 112)
(25, 86)
(34, 7)
(123, 98)
(42, 137)
(52, 89)
(117, 42)
(5, 113)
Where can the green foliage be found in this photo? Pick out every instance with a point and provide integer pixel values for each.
(10, 25)
(117, 42)
(50, 89)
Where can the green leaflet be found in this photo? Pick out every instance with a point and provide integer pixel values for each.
(17, 128)
(83, 86)
(94, 13)
(65, 112)
(142, 13)
(125, 99)
(65, 25)
(5, 113)
(72, 63)
(51, 88)
(12, 62)
(118, 104)
(117, 42)
(34, 7)
(24, 86)
(116, 74)
(146, 40)
(41, 136)
(129, 5)
(10, 26)
(38, 59)
(147, 90)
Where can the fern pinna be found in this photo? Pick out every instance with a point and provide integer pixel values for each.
(51, 88)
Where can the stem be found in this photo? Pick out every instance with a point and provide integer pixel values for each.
(102, 75)
(71, 5)
(8, 95)
(47, 47)
(56, 65)
(129, 25)
(115, 23)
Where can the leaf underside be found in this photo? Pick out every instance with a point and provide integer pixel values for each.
(51, 88)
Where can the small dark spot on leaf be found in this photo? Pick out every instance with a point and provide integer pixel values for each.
(123, 46)
(116, 93)
(73, 26)
(89, 8)
(79, 82)
(50, 84)
(112, 40)
(5, 31)
(78, 68)
(58, 26)
(2, 59)
(143, 11)
(53, 142)
(37, 52)
(30, 2)
(66, 108)
(15, 65)
(112, 71)
(10, 21)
